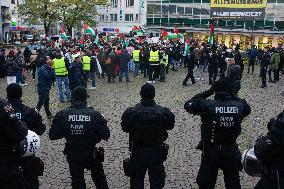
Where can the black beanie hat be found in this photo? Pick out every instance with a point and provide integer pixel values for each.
(80, 93)
(147, 91)
(14, 91)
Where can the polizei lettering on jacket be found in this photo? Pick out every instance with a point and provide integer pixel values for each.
(227, 110)
(83, 118)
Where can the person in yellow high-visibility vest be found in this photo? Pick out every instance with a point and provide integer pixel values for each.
(154, 61)
(136, 55)
(163, 64)
(86, 60)
(61, 68)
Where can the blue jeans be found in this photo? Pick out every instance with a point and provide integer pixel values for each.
(131, 65)
(136, 71)
(121, 75)
(59, 81)
(19, 77)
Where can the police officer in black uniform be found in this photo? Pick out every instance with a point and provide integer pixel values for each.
(12, 132)
(191, 62)
(147, 124)
(221, 125)
(213, 66)
(82, 127)
(270, 151)
(34, 123)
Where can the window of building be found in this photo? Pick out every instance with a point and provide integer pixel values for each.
(113, 17)
(129, 17)
(13, 2)
(102, 18)
(114, 3)
(129, 3)
(137, 18)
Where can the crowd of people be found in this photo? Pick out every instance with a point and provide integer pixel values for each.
(151, 61)
(147, 123)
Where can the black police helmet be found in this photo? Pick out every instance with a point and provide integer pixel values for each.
(147, 91)
(14, 91)
(228, 85)
(79, 94)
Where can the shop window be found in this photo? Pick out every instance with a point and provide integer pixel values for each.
(280, 24)
(204, 21)
(195, 22)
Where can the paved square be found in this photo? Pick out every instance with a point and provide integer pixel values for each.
(183, 160)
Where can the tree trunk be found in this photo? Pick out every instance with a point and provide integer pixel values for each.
(69, 30)
(46, 27)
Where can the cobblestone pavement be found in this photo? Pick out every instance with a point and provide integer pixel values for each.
(183, 160)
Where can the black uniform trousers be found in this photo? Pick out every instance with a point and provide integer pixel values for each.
(31, 171)
(263, 74)
(189, 75)
(251, 64)
(214, 157)
(77, 173)
(9, 175)
(212, 75)
(154, 72)
(151, 160)
(43, 99)
(275, 181)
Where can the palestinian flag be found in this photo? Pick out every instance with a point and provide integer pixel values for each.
(138, 31)
(164, 33)
(180, 37)
(122, 38)
(62, 33)
(89, 30)
(211, 38)
(176, 31)
(175, 36)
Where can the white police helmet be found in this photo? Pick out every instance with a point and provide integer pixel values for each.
(30, 145)
(251, 164)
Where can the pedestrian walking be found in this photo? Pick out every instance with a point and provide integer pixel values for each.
(46, 78)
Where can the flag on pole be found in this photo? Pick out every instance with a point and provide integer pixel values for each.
(211, 39)
(89, 30)
(97, 39)
(62, 33)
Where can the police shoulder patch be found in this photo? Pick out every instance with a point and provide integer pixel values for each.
(8, 108)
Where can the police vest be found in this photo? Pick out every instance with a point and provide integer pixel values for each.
(148, 130)
(165, 61)
(59, 66)
(154, 56)
(135, 55)
(223, 122)
(87, 63)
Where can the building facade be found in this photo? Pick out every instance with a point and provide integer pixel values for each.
(5, 18)
(120, 16)
(196, 14)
